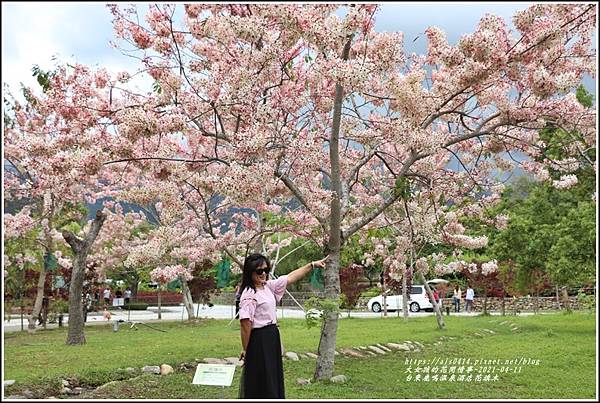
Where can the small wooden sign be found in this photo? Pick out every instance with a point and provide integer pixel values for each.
(214, 374)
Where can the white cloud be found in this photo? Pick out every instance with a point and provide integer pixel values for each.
(32, 33)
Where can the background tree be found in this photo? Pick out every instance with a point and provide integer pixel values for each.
(351, 288)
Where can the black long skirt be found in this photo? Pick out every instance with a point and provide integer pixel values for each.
(262, 373)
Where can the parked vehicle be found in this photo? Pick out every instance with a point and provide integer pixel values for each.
(418, 299)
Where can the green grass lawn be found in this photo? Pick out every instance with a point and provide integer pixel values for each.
(563, 344)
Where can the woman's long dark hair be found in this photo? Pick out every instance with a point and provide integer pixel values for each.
(250, 264)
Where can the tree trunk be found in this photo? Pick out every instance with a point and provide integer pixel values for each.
(485, 303)
(405, 296)
(436, 307)
(76, 323)
(384, 293)
(187, 298)
(39, 298)
(503, 306)
(326, 351)
(565, 297)
(159, 312)
(536, 302)
(134, 286)
(325, 361)
(80, 248)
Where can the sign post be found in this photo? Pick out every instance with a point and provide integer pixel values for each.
(214, 375)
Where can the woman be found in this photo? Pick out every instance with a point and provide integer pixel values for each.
(262, 374)
(456, 298)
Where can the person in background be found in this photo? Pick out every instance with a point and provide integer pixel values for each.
(262, 371)
(127, 295)
(469, 299)
(456, 295)
(86, 305)
(106, 295)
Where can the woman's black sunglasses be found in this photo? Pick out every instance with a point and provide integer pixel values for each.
(261, 271)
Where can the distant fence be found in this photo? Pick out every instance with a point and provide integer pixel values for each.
(523, 304)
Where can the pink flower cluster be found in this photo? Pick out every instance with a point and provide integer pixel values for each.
(166, 274)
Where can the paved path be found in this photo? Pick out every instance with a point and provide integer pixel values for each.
(175, 313)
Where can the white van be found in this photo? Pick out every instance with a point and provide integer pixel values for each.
(417, 300)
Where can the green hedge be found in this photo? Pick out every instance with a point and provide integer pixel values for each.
(136, 306)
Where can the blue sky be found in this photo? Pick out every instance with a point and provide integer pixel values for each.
(32, 32)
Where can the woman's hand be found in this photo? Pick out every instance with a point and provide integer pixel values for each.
(243, 356)
(320, 263)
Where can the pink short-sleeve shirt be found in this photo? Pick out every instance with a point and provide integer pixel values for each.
(260, 306)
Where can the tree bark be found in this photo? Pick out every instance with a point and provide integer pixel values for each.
(405, 295)
(326, 351)
(159, 312)
(384, 293)
(325, 361)
(436, 306)
(187, 298)
(485, 304)
(39, 298)
(80, 248)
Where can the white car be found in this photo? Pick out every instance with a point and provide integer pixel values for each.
(417, 300)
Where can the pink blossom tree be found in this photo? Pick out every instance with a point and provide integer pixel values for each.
(339, 115)
(54, 155)
(166, 274)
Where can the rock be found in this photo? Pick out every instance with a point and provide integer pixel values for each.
(130, 369)
(339, 379)
(351, 353)
(214, 361)
(312, 355)
(9, 382)
(377, 350)
(233, 361)
(303, 356)
(65, 382)
(336, 352)
(292, 356)
(384, 348)
(370, 352)
(65, 391)
(399, 346)
(28, 394)
(151, 369)
(302, 381)
(166, 369)
(74, 391)
(418, 344)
